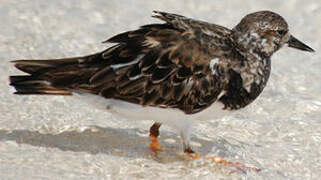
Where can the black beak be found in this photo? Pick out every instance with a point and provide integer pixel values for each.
(295, 43)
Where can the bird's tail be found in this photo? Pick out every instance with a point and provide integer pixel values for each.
(26, 84)
(47, 77)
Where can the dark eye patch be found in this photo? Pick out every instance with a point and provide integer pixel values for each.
(282, 32)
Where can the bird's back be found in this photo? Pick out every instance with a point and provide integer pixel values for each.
(162, 65)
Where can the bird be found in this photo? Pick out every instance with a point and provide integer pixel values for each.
(176, 72)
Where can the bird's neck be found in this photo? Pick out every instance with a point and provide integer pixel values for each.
(253, 44)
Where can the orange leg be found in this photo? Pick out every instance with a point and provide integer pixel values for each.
(153, 135)
(156, 147)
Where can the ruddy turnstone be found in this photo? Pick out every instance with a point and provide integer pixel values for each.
(172, 72)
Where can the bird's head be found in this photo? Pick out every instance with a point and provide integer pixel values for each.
(265, 32)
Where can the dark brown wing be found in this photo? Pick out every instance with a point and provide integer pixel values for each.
(163, 65)
(169, 66)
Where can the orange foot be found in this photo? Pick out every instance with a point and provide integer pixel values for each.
(219, 160)
(153, 134)
(154, 144)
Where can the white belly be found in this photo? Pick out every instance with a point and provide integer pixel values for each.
(164, 115)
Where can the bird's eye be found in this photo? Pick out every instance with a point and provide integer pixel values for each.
(282, 32)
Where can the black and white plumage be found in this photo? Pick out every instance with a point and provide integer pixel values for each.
(172, 73)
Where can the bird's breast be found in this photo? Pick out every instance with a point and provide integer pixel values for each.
(246, 81)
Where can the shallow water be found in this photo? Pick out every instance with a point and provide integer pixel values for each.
(49, 137)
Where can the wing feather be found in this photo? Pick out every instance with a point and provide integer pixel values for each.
(163, 65)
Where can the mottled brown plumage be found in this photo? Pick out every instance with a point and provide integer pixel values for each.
(183, 64)
(173, 66)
